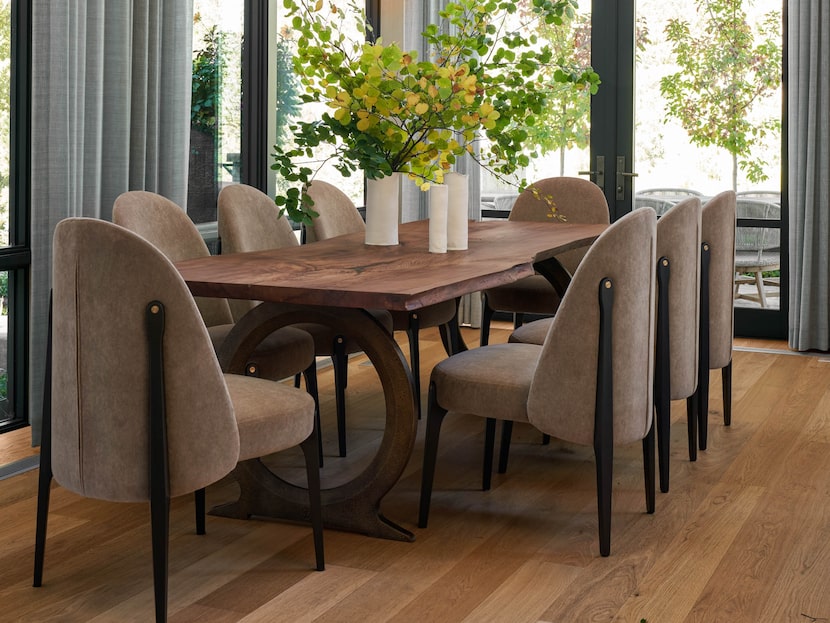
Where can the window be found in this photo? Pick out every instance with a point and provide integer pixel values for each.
(15, 255)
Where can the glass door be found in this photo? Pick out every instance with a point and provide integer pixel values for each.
(691, 104)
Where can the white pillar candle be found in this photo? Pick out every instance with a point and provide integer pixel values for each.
(438, 218)
(457, 211)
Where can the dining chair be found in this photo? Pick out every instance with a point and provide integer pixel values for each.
(600, 347)
(337, 216)
(676, 342)
(717, 310)
(757, 249)
(136, 407)
(249, 220)
(577, 201)
(286, 352)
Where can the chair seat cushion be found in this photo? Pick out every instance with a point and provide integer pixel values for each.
(532, 295)
(324, 335)
(532, 332)
(286, 352)
(429, 316)
(491, 381)
(271, 416)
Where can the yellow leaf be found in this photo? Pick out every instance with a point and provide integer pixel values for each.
(421, 108)
(364, 124)
(319, 5)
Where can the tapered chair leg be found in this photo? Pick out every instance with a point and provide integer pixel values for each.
(518, 320)
(160, 528)
(504, 447)
(340, 362)
(435, 417)
(199, 499)
(415, 358)
(726, 377)
(310, 374)
(486, 316)
(44, 482)
(43, 491)
(703, 410)
(648, 469)
(489, 447)
(691, 422)
(310, 449)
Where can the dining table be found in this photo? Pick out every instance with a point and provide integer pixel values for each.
(333, 282)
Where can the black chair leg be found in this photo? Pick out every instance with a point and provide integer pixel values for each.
(518, 320)
(726, 377)
(44, 483)
(310, 374)
(415, 359)
(435, 417)
(310, 448)
(43, 491)
(703, 409)
(486, 317)
(545, 439)
(160, 528)
(663, 421)
(691, 419)
(199, 499)
(340, 362)
(489, 447)
(504, 448)
(297, 378)
(648, 469)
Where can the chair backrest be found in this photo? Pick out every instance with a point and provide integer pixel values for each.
(167, 227)
(756, 240)
(103, 279)
(577, 200)
(678, 240)
(567, 371)
(718, 230)
(249, 220)
(337, 213)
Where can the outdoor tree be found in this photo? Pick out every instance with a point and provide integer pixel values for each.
(566, 123)
(726, 67)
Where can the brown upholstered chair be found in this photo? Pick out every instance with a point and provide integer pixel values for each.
(249, 220)
(578, 201)
(286, 352)
(717, 313)
(136, 406)
(678, 293)
(600, 346)
(338, 216)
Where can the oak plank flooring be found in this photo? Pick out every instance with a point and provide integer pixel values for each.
(741, 537)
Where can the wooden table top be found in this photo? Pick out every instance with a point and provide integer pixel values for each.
(345, 272)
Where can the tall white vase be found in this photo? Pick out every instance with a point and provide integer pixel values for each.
(383, 201)
(457, 210)
(438, 218)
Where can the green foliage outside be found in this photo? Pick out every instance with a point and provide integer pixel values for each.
(726, 67)
(566, 123)
(5, 116)
(207, 79)
(486, 79)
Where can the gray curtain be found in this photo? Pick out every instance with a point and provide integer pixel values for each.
(809, 173)
(110, 113)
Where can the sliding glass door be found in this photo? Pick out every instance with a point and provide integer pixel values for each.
(691, 104)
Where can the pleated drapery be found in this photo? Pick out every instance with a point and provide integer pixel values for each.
(809, 173)
(110, 113)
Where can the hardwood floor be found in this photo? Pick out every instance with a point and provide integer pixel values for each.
(741, 537)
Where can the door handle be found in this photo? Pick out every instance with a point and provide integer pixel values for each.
(621, 175)
(598, 176)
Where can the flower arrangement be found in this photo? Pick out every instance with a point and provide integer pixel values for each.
(483, 85)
